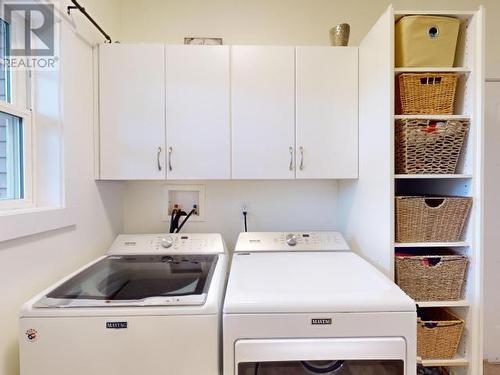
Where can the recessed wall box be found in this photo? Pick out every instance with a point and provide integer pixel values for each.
(185, 197)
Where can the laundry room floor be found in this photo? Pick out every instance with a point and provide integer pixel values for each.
(491, 369)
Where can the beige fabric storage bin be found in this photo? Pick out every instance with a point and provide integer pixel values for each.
(426, 41)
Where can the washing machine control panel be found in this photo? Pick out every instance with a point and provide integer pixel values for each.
(291, 241)
(173, 243)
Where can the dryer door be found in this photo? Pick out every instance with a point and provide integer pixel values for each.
(356, 356)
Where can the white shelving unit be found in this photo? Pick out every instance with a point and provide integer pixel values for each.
(432, 244)
(431, 117)
(458, 303)
(370, 200)
(431, 176)
(432, 70)
(468, 104)
(454, 362)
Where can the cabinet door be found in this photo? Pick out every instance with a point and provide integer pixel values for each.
(327, 112)
(197, 97)
(262, 110)
(132, 111)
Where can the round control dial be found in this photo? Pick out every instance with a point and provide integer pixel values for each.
(291, 239)
(167, 242)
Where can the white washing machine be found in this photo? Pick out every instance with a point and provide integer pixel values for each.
(151, 306)
(303, 303)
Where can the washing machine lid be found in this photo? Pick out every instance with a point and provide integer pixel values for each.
(309, 282)
(137, 280)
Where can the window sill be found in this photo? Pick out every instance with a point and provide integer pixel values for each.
(26, 222)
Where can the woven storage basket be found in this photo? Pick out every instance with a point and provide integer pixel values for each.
(438, 334)
(429, 147)
(431, 278)
(421, 370)
(428, 219)
(426, 93)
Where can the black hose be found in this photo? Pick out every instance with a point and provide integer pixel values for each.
(245, 220)
(172, 218)
(177, 217)
(186, 219)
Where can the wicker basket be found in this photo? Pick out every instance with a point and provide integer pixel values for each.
(429, 147)
(428, 219)
(426, 93)
(438, 334)
(431, 277)
(421, 370)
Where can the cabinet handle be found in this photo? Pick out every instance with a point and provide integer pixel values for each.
(158, 158)
(290, 149)
(170, 150)
(301, 158)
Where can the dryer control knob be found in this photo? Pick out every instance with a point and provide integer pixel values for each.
(291, 239)
(167, 242)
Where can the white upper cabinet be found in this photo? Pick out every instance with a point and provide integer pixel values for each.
(262, 108)
(132, 111)
(326, 112)
(197, 110)
(185, 112)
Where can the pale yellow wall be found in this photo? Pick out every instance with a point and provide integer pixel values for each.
(277, 21)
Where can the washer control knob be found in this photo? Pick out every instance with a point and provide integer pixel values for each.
(167, 242)
(291, 239)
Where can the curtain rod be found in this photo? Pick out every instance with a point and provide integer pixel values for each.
(89, 17)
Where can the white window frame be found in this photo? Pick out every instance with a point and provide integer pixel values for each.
(21, 98)
(27, 125)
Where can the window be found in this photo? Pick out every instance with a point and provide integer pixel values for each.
(11, 157)
(15, 132)
(5, 79)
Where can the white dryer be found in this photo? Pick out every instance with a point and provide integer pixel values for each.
(152, 306)
(303, 303)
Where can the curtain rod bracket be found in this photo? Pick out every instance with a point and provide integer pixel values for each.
(77, 6)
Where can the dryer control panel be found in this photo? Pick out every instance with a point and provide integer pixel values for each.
(291, 241)
(170, 243)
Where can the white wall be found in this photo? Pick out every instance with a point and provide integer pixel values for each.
(30, 264)
(278, 21)
(491, 223)
(272, 206)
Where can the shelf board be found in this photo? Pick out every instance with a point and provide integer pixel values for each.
(433, 244)
(431, 176)
(454, 362)
(460, 14)
(432, 117)
(463, 70)
(459, 303)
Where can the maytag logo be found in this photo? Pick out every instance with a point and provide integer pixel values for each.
(321, 322)
(116, 325)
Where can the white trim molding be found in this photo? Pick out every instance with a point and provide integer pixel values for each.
(22, 223)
